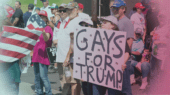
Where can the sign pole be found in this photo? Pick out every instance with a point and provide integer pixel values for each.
(99, 8)
(94, 12)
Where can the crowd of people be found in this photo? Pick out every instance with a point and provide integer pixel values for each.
(144, 51)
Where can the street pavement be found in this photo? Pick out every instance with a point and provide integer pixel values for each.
(27, 84)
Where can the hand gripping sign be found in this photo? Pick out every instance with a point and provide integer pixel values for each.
(98, 56)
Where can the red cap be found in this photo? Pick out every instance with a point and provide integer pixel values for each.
(44, 13)
(139, 5)
(81, 6)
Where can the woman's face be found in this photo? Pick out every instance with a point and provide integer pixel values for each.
(107, 25)
(44, 18)
(139, 10)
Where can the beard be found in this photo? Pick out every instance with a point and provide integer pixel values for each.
(116, 15)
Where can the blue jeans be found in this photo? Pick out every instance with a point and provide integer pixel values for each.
(41, 78)
(99, 90)
(145, 67)
(87, 88)
(126, 86)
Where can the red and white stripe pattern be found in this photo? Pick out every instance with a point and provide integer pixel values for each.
(16, 43)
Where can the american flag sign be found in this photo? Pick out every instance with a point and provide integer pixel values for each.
(16, 43)
(35, 23)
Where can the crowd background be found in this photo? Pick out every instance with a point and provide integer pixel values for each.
(39, 4)
(152, 47)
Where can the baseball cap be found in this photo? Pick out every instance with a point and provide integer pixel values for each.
(43, 0)
(30, 6)
(88, 21)
(37, 8)
(72, 5)
(139, 5)
(138, 29)
(54, 6)
(81, 6)
(63, 5)
(111, 19)
(118, 3)
(42, 12)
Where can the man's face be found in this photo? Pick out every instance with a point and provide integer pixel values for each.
(121, 11)
(118, 11)
(17, 6)
(45, 3)
(63, 12)
(73, 13)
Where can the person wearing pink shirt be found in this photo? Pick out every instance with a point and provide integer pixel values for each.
(40, 58)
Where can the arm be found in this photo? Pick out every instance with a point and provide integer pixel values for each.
(153, 32)
(126, 57)
(55, 42)
(51, 24)
(15, 21)
(46, 36)
(55, 38)
(130, 42)
(135, 53)
(66, 62)
(7, 22)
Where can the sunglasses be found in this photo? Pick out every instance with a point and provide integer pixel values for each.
(104, 22)
(62, 11)
(115, 8)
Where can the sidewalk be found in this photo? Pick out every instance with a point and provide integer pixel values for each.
(25, 89)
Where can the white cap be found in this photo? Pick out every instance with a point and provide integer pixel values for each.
(53, 5)
(111, 19)
(63, 5)
(138, 29)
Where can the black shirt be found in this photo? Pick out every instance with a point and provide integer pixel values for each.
(127, 48)
(18, 14)
(152, 20)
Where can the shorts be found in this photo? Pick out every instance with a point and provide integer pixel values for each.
(63, 78)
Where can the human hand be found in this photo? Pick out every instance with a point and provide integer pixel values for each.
(124, 67)
(43, 32)
(66, 62)
(82, 80)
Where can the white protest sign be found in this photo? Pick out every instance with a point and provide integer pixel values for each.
(98, 56)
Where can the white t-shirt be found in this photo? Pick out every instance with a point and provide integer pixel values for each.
(138, 20)
(48, 10)
(137, 46)
(63, 36)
